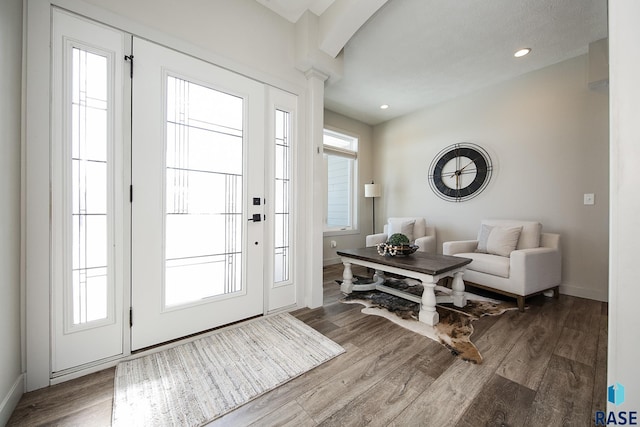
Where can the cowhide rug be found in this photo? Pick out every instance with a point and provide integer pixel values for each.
(455, 327)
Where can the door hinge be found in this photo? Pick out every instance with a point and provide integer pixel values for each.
(130, 59)
(131, 194)
(130, 316)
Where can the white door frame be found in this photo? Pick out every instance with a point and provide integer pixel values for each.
(36, 229)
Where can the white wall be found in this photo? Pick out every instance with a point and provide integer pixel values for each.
(363, 131)
(547, 135)
(242, 31)
(624, 290)
(11, 385)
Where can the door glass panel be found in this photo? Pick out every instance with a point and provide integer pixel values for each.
(203, 224)
(282, 197)
(89, 192)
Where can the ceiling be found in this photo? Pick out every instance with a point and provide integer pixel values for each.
(292, 10)
(413, 54)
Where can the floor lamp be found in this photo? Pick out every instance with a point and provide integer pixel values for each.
(372, 191)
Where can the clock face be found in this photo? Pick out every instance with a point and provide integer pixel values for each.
(460, 172)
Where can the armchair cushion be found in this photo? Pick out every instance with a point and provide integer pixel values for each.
(488, 263)
(530, 235)
(421, 234)
(403, 226)
(498, 240)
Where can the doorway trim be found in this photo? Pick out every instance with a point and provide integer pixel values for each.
(36, 227)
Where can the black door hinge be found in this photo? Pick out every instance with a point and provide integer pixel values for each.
(130, 59)
(131, 194)
(130, 316)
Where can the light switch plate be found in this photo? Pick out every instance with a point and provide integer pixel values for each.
(589, 199)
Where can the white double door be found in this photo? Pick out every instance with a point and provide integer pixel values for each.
(158, 209)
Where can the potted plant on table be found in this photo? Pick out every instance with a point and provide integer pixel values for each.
(396, 244)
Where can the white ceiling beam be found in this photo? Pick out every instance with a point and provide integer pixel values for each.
(308, 55)
(341, 20)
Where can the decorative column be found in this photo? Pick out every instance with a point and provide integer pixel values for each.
(315, 206)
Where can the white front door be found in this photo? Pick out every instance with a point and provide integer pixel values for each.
(198, 196)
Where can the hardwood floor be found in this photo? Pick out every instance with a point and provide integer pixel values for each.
(544, 367)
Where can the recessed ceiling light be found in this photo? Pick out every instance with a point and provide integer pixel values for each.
(522, 52)
(384, 106)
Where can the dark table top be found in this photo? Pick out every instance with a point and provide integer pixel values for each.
(420, 262)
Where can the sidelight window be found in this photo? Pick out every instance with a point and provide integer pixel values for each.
(283, 217)
(89, 189)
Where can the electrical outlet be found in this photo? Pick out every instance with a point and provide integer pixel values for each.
(334, 244)
(589, 199)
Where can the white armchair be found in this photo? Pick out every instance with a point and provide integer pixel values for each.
(416, 229)
(513, 258)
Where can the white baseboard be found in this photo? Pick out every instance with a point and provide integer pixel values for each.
(11, 400)
(331, 261)
(576, 291)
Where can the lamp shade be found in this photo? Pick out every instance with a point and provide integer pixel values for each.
(372, 190)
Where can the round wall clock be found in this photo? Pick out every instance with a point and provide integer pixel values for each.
(460, 172)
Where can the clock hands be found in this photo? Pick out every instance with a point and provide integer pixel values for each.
(459, 171)
(472, 161)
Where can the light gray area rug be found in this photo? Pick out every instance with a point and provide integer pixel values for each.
(199, 381)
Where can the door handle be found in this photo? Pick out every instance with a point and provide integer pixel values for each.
(256, 218)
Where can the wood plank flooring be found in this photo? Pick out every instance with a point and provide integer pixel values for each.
(544, 367)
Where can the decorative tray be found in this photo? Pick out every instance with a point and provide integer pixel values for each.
(396, 250)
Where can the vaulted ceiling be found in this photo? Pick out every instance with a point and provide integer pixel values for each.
(412, 54)
(292, 10)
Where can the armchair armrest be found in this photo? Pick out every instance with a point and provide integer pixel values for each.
(375, 239)
(538, 268)
(427, 244)
(550, 240)
(459, 246)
